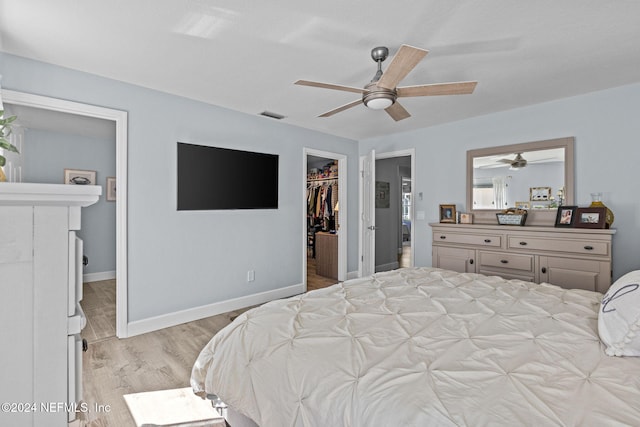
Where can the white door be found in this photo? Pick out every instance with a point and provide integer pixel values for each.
(368, 220)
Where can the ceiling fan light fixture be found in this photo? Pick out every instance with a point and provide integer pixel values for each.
(378, 98)
(378, 103)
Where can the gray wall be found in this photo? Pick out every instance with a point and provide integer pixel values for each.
(47, 154)
(605, 125)
(181, 260)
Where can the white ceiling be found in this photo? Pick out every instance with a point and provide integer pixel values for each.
(245, 55)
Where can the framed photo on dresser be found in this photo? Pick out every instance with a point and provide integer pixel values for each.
(594, 217)
(566, 216)
(448, 213)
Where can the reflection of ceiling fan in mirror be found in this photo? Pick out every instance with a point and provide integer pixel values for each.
(516, 163)
(382, 94)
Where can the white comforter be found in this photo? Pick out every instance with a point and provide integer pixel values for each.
(422, 347)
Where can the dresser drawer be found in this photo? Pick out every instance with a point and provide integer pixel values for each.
(468, 239)
(506, 260)
(581, 247)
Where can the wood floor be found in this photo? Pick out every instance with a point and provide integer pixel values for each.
(99, 305)
(114, 367)
(315, 281)
(157, 360)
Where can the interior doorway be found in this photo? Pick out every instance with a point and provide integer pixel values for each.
(95, 114)
(324, 253)
(386, 215)
(393, 196)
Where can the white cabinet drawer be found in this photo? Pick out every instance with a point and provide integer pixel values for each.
(506, 260)
(574, 246)
(468, 239)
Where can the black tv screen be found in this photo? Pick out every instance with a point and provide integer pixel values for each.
(212, 178)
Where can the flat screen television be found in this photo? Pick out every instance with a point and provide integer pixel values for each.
(212, 178)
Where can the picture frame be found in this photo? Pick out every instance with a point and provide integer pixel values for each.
(111, 189)
(537, 194)
(382, 194)
(79, 177)
(448, 214)
(466, 218)
(566, 216)
(523, 205)
(592, 217)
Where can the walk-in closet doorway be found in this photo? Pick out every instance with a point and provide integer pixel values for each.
(324, 218)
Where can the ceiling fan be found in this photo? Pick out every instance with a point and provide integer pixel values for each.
(516, 163)
(382, 94)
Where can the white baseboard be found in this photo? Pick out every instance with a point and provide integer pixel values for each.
(172, 319)
(97, 277)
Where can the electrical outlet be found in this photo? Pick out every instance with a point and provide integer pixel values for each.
(251, 276)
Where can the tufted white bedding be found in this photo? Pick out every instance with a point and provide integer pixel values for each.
(422, 347)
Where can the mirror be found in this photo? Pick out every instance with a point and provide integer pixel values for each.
(535, 175)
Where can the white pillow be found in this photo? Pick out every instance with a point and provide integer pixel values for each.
(619, 316)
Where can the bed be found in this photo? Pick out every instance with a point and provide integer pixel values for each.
(425, 346)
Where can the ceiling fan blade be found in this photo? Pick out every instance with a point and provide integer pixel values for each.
(341, 108)
(456, 88)
(401, 64)
(397, 112)
(330, 86)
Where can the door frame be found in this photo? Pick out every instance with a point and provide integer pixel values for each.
(411, 152)
(120, 120)
(343, 216)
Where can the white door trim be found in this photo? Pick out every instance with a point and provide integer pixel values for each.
(343, 217)
(367, 219)
(120, 119)
(400, 153)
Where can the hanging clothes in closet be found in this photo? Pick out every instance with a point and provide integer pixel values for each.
(322, 197)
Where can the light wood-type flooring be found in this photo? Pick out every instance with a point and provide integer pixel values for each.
(315, 281)
(157, 360)
(114, 367)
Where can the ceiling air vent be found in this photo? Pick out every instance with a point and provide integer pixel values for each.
(272, 115)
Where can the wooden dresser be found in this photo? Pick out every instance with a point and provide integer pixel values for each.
(567, 257)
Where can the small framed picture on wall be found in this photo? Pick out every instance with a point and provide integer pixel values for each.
(79, 177)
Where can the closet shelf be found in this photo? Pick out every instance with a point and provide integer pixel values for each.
(322, 179)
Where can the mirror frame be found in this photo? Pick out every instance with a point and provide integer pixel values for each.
(535, 217)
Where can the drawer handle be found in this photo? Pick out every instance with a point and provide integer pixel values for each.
(589, 248)
(523, 243)
(504, 261)
(544, 270)
(443, 237)
(487, 240)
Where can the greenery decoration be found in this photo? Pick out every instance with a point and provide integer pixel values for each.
(5, 131)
